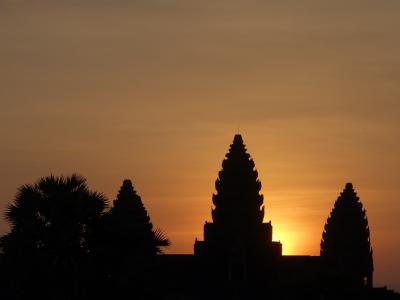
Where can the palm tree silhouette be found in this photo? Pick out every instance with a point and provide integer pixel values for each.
(52, 224)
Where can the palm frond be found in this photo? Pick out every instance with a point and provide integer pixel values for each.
(160, 238)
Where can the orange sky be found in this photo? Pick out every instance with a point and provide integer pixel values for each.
(155, 90)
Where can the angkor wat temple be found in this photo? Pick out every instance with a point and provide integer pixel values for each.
(64, 244)
(239, 260)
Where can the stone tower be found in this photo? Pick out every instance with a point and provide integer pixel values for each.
(237, 233)
(346, 252)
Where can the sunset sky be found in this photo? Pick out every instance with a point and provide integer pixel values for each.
(154, 91)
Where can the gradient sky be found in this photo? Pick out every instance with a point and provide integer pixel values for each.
(155, 91)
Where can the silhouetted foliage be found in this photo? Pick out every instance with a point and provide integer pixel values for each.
(345, 247)
(52, 222)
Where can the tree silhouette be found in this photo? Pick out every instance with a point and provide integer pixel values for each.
(52, 222)
(345, 247)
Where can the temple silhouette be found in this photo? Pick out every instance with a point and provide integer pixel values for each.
(238, 241)
(238, 259)
(65, 244)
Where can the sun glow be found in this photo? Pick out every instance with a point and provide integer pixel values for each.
(295, 242)
(288, 239)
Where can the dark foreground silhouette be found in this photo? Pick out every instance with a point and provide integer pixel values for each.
(65, 243)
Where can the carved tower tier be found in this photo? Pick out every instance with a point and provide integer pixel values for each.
(237, 232)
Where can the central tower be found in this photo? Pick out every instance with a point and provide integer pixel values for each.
(237, 232)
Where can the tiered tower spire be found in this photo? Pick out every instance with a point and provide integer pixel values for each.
(238, 201)
(238, 213)
(345, 246)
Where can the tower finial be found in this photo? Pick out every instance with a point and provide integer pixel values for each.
(238, 139)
